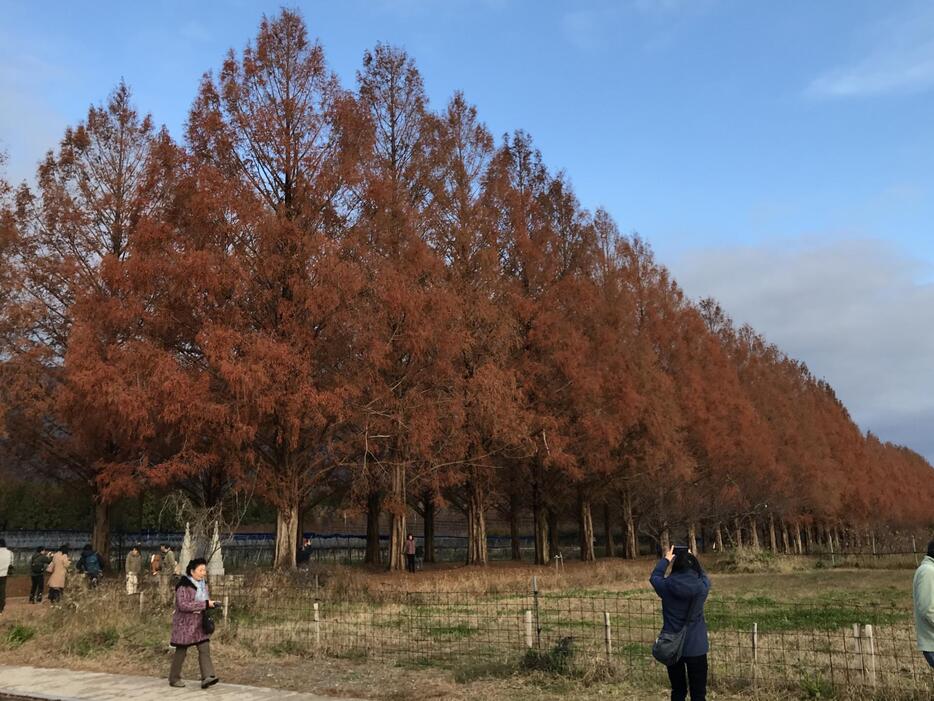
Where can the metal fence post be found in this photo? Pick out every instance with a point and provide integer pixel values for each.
(538, 619)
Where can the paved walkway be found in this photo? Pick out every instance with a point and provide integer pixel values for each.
(66, 685)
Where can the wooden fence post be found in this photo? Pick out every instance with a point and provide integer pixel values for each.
(858, 650)
(755, 651)
(141, 598)
(317, 625)
(870, 648)
(528, 629)
(914, 549)
(226, 607)
(607, 635)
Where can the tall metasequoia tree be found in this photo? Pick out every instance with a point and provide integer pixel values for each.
(94, 197)
(287, 138)
(408, 311)
(461, 229)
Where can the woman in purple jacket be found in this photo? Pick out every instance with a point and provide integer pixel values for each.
(191, 603)
(686, 585)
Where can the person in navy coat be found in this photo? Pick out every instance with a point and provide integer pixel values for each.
(677, 591)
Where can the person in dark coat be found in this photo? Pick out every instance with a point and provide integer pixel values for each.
(191, 603)
(678, 591)
(38, 567)
(91, 564)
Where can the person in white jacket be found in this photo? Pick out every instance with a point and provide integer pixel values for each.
(6, 566)
(923, 591)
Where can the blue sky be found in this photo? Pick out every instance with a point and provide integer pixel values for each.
(777, 155)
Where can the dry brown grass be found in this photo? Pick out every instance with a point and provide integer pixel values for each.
(103, 631)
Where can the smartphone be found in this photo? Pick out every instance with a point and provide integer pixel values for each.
(680, 548)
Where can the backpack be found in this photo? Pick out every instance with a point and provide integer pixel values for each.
(39, 564)
(92, 564)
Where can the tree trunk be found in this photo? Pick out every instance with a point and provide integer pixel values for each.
(541, 527)
(718, 537)
(632, 544)
(809, 533)
(286, 537)
(754, 533)
(553, 545)
(739, 533)
(786, 542)
(514, 541)
(397, 529)
(373, 502)
(299, 531)
(586, 529)
(773, 539)
(476, 524)
(100, 537)
(664, 540)
(692, 538)
(799, 546)
(608, 532)
(429, 502)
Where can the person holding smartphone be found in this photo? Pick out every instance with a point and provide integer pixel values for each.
(683, 593)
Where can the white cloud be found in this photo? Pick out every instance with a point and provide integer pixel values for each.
(900, 60)
(854, 311)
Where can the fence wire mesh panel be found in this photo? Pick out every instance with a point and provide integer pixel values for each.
(825, 648)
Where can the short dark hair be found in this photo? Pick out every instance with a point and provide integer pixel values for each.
(931, 549)
(64, 549)
(685, 560)
(194, 564)
(40, 549)
(136, 547)
(2, 542)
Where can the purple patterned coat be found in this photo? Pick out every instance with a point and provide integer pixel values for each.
(186, 622)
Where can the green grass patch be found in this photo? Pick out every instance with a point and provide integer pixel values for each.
(19, 635)
(452, 632)
(288, 647)
(94, 641)
(801, 617)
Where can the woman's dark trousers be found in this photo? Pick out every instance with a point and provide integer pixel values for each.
(695, 679)
(35, 593)
(410, 562)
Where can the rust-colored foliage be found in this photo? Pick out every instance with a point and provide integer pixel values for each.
(340, 294)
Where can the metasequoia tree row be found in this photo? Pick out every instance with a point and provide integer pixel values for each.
(339, 293)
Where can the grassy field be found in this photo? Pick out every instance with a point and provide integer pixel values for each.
(458, 633)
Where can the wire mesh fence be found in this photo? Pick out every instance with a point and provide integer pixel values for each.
(821, 648)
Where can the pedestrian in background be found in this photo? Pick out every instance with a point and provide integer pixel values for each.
(410, 553)
(134, 568)
(38, 567)
(58, 573)
(91, 564)
(6, 568)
